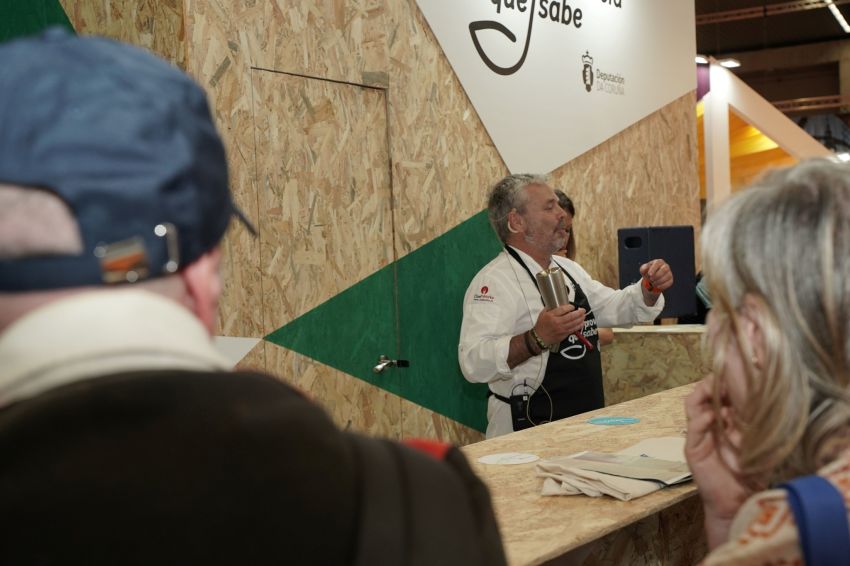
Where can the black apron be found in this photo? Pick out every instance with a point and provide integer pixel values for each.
(573, 377)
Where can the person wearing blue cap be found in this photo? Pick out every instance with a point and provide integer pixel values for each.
(124, 437)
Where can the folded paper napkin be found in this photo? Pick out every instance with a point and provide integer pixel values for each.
(563, 476)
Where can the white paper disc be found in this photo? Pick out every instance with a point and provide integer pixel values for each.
(508, 458)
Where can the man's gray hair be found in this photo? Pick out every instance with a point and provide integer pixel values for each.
(506, 195)
(35, 222)
(779, 251)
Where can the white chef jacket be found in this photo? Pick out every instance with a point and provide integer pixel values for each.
(502, 301)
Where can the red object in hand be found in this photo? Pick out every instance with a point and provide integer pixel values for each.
(649, 286)
(584, 340)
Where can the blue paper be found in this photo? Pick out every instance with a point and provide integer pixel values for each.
(613, 421)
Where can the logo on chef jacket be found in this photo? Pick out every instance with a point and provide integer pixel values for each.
(484, 296)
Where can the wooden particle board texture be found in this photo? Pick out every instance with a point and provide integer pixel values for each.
(443, 159)
(154, 24)
(352, 404)
(337, 40)
(218, 58)
(322, 169)
(648, 359)
(419, 422)
(673, 536)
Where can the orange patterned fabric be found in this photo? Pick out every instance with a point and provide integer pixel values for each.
(764, 532)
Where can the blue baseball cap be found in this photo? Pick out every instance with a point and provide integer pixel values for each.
(127, 141)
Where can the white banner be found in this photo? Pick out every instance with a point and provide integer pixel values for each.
(551, 79)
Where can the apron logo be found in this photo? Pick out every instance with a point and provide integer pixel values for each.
(575, 351)
(484, 289)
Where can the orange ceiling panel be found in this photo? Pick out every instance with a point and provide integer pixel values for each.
(750, 151)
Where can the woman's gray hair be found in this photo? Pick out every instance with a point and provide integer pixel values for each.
(506, 195)
(784, 244)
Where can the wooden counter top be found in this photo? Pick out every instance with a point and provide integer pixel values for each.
(536, 528)
(660, 329)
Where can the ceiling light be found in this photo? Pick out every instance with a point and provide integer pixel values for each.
(729, 63)
(843, 156)
(701, 60)
(838, 15)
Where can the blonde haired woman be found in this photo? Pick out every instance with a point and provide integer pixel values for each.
(777, 406)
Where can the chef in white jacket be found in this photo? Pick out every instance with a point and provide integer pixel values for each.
(506, 335)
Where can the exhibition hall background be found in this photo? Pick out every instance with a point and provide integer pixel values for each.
(358, 155)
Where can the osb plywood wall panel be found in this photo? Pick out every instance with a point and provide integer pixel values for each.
(644, 176)
(323, 177)
(154, 24)
(419, 422)
(641, 363)
(673, 536)
(351, 403)
(337, 40)
(324, 196)
(341, 40)
(218, 58)
(444, 161)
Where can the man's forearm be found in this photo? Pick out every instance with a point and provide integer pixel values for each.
(521, 348)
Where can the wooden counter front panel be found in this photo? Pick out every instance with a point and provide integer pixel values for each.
(536, 529)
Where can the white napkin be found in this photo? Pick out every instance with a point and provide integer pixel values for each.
(573, 481)
(561, 479)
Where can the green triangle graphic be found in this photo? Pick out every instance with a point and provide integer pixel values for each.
(26, 17)
(351, 329)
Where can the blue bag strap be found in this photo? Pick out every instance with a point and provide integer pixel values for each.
(821, 518)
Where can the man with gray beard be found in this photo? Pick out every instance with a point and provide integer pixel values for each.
(506, 335)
